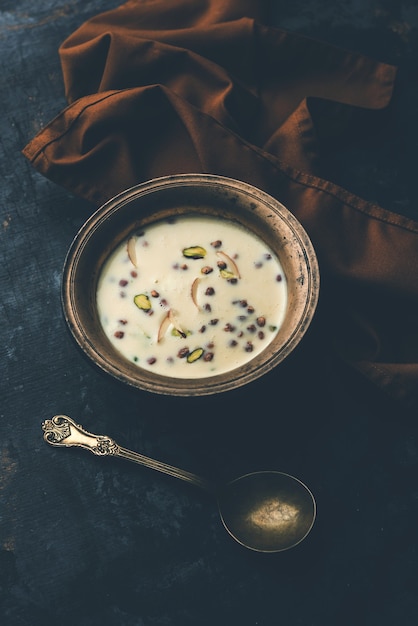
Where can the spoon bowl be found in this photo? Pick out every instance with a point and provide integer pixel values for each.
(266, 511)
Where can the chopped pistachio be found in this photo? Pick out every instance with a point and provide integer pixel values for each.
(180, 333)
(195, 355)
(227, 274)
(142, 301)
(194, 252)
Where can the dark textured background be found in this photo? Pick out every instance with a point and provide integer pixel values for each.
(99, 542)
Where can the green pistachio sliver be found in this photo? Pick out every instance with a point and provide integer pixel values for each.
(194, 355)
(227, 274)
(194, 252)
(180, 333)
(142, 302)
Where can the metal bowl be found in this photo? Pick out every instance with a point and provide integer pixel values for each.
(171, 196)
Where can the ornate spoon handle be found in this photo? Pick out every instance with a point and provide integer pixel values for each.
(62, 431)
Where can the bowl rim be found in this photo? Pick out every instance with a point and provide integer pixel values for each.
(165, 385)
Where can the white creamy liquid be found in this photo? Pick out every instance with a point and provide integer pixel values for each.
(204, 316)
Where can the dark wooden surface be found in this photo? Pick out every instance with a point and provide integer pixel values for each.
(98, 542)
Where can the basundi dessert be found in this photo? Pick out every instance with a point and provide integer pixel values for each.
(191, 297)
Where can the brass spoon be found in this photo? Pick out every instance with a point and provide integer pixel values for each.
(265, 511)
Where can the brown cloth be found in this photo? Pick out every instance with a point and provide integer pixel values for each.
(161, 87)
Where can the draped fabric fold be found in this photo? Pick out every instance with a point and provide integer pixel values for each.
(161, 87)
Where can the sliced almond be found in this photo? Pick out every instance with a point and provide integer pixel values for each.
(227, 258)
(193, 291)
(166, 322)
(175, 324)
(131, 249)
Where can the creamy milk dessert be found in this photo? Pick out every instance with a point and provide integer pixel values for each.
(192, 297)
